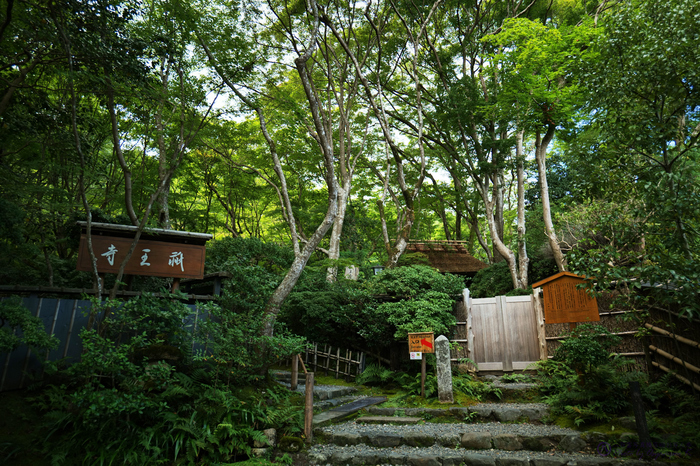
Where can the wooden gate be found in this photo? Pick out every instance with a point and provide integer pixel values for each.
(504, 333)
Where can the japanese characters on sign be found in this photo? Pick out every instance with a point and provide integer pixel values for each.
(421, 342)
(160, 259)
(565, 302)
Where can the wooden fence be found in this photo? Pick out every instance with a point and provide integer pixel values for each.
(672, 345)
(620, 322)
(346, 363)
(63, 318)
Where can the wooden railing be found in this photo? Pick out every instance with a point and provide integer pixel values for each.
(342, 362)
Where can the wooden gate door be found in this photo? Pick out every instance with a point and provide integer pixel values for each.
(503, 333)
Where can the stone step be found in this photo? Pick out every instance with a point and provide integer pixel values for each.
(444, 456)
(346, 410)
(388, 420)
(486, 436)
(501, 412)
(321, 392)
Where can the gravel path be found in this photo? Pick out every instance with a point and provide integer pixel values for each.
(321, 454)
(430, 428)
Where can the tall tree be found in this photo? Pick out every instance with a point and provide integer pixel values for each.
(541, 91)
(644, 97)
(475, 146)
(300, 29)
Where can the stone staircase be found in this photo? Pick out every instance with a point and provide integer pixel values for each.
(397, 439)
(486, 434)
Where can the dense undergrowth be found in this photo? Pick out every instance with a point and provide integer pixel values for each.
(151, 389)
(589, 387)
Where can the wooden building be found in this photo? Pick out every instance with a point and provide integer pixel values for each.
(448, 256)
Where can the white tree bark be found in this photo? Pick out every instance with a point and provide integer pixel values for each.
(523, 260)
(325, 144)
(541, 144)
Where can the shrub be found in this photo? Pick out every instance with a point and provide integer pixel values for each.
(584, 380)
(16, 319)
(494, 280)
(139, 395)
(586, 347)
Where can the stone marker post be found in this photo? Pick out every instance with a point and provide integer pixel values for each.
(444, 369)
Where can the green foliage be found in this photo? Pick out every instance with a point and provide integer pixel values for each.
(586, 347)
(475, 389)
(667, 395)
(333, 313)
(426, 299)
(430, 312)
(375, 375)
(421, 299)
(414, 280)
(256, 267)
(584, 380)
(236, 349)
(494, 280)
(139, 395)
(516, 378)
(19, 327)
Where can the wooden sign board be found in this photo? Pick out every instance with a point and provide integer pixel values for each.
(564, 302)
(155, 258)
(421, 342)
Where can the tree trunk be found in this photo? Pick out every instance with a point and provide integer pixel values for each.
(523, 260)
(336, 233)
(541, 144)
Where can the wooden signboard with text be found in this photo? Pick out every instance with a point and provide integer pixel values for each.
(564, 302)
(155, 258)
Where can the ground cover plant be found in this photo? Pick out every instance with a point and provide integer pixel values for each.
(149, 389)
(588, 387)
(404, 387)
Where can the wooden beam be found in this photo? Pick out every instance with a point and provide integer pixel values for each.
(674, 359)
(687, 341)
(679, 377)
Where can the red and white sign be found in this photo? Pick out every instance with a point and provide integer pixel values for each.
(421, 342)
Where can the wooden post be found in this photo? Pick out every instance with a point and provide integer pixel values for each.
(422, 375)
(539, 316)
(470, 329)
(328, 357)
(337, 362)
(639, 416)
(295, 371)
(176, 285)
(309, 407)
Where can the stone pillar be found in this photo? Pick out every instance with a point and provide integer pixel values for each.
(444, 369)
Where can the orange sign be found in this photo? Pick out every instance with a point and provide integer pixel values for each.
(155, 258)
(565, 302)
(421, 342)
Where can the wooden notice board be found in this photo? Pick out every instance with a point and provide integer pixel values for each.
(155, 258)
(423, 342)
(564, 302)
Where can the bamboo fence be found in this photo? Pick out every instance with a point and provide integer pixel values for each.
(341, 362)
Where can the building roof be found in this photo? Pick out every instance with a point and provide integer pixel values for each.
(448, 256)
(556, 277)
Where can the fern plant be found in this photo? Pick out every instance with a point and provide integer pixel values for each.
(374, 375)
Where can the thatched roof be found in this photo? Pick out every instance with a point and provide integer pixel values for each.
(448, 256)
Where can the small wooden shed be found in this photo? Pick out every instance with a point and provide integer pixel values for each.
(448, 256)
(564, 301)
